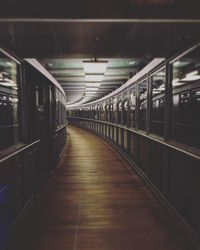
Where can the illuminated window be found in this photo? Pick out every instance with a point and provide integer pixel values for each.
(132, 104)
(157, 103)
(9, 105)
(142, 104)
(186, 99)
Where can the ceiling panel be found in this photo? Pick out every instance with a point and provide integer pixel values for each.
(62, 46)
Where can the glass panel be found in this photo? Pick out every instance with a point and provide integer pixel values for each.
(9, 121)
(95, 112)
(115, 110)
(125, 108)
(186, 99)
(103, 109)
(57, 109)
(119, 112)
(157, 103)
(107, 113)
(132, 104)
(142, 104)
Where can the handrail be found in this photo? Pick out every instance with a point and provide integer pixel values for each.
(168, 144)
(62, 127)
(18, 151)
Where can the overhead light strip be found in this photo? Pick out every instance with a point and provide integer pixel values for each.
(94, 78)
(95, 67)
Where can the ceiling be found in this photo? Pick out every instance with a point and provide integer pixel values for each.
(100, 9)
(61, 46)
(72, 77)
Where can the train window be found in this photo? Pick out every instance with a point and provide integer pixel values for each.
(57, 108)
(132, 104)
(111, 112)
(142, 104)
(90, 111)
(103, 108)
(9, 107)
(95, 112)
(60, 109)
(107, 113)
(115, 109)
(157, 103)
(186, 99)
(125, 108)
(120, 112)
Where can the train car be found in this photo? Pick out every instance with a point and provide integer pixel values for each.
(32, 135)
(155, 124)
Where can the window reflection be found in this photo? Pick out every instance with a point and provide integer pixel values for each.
(157, 103)
(107, 113)
(115, 110)
(125, 109)
(60, 109)
(133, 106)
(9, 122)
(119, 111)
(142, 104)
(186, 99)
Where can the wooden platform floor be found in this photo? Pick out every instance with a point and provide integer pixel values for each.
(95, 201)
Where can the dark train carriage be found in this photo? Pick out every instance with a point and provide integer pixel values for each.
(46, 112)
(32, 135)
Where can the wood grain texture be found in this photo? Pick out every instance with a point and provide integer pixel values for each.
(95, 201)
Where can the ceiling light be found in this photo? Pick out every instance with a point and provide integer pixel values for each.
(93, 84)
(90, 92)
(94, 66)
(94, 78)
(132, 62)
(91, 88)
(50, 64)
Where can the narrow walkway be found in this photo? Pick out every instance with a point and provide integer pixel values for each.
(95, 201)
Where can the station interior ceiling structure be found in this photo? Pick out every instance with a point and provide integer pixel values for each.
(64, 47)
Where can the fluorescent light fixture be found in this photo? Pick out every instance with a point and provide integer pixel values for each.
(90, 92)
(131, 62)
(94, 78)
(94, 67)
(91, 88)
(93, 84)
